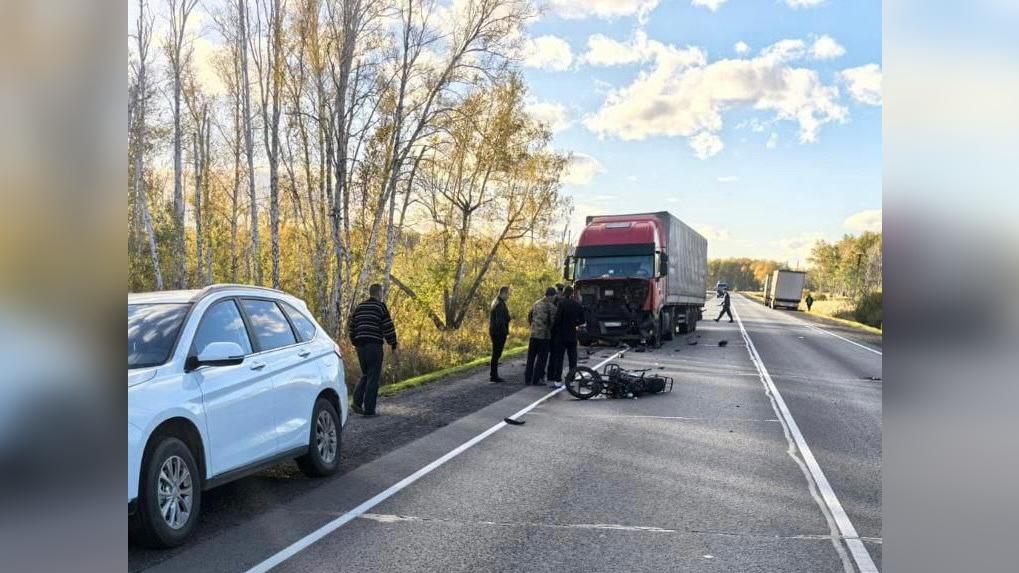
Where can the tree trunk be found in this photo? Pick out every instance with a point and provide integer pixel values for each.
(249, 145)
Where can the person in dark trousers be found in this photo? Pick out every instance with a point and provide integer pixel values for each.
(540, 318)
(498, 329)
(569, 315)
(555, 356)
(809, 301)
(369, 327)
(725, 307)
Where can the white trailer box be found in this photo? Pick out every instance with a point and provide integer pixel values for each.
(786, 289)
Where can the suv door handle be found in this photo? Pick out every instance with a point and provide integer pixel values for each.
(257, 366)
(304, 353)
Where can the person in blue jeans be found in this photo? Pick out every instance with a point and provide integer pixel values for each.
(370, 326)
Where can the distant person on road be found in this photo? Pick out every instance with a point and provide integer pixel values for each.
(569, 315)
(540, 318)
(498, 329)
(369, 327)
(809, 301)
(725, 307)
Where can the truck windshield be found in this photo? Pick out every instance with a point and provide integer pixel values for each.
(632, 266)
(151, 332)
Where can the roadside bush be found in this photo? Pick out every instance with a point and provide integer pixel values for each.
(820, 296)
(869, 310)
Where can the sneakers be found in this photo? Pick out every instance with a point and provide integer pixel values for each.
(497, 379)
(555, 384)
(356, 409)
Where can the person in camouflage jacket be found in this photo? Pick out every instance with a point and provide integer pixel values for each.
(540, 318)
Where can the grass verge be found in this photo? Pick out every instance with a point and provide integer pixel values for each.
(390, 389)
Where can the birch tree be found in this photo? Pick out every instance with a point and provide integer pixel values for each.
(178, 51)
(140, 100)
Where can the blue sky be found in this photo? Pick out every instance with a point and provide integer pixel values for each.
(758, 121)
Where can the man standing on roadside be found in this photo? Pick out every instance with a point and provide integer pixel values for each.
(809, 301)
(498, 329)
(569, 315)
(725, 307)
(369, 327)
(540, 318)
(555, 350)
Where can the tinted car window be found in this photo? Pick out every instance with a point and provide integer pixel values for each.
(222, 323)
(152, 331)
(270, 327)
(305, 327)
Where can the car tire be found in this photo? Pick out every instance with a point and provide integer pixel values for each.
(157, 522)
(323, 457)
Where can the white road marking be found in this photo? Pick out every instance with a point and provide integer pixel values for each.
(829, 333)
(834, 509)
(342, 520)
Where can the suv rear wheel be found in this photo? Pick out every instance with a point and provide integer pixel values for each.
(323, 457)
(169, 496)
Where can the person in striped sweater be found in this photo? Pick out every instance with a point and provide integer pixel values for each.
(369, 327)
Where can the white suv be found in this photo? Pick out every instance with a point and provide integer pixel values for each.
(222, 382)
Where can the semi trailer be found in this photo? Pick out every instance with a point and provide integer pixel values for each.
(785, 289)
(640, 278)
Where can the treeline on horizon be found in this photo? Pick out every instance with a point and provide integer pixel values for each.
(322, 145)
(849, 268)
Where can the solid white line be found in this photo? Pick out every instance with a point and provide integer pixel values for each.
(342, 520)
(811, 326)
(859, 552)
(828, 332)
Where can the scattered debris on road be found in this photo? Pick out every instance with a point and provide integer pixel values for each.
(513, 422)
(723, 343)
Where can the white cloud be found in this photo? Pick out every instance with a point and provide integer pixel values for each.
(582, 169)
(631, 178)
(709, 4)
(605, 9)
(772, 142)
(548, 53)
(869, 220)
(552, 114)
(706, 145)
(864, 83)
(826, 48)
(741, 48)
(712, 233)
(798, 248)
(684, 96)
(605, 51)
(728, 179)
(803, 3)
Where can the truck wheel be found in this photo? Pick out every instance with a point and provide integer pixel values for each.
(584, 341)
(685, 328)
(668, 326)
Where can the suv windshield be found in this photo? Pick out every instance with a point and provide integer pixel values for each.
(633, 266)
(151, 332)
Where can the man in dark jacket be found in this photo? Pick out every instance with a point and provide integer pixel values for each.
(569, 315)
(555, 352)
(369, 327)
(498, 329)
(540, 318)
(725, 307)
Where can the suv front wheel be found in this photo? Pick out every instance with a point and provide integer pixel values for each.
(323, 457)
(169, 496)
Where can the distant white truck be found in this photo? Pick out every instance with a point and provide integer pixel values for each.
(784, 289)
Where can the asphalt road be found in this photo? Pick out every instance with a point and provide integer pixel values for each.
(706, 478)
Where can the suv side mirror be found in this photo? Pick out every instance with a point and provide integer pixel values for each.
(663, 264)
(220, 354)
